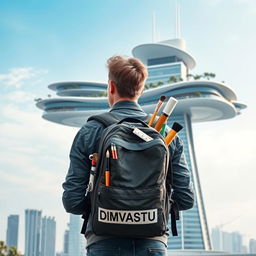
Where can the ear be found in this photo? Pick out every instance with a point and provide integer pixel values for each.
(112, 86)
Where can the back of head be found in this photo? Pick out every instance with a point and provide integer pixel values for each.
(129, 75)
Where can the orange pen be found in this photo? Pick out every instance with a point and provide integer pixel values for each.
(107, 171)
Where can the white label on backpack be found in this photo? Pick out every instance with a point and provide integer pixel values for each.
(127, 217)
(142, 134)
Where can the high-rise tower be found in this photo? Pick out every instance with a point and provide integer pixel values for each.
(48, 236)
(199, 101)
(12, 231)
(33, 224)
(76, 241)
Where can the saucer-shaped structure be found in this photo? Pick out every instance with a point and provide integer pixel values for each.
(163, 49)
(202, 100)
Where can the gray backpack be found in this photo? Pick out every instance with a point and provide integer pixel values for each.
(131, 197)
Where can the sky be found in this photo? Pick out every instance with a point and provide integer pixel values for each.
(42, 42)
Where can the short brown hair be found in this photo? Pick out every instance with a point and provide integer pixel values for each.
(128, 74)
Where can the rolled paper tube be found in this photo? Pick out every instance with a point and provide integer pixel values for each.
(170, 105)
(161, 120)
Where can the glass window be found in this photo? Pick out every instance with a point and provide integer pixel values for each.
(163, 60)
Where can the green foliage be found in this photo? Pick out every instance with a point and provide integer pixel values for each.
(206, 75)
(175, 79)
(197, 77)
(153, 85)
(5, 251)
(36, 100)
(74, 86)
(160, 83)
(99, 94)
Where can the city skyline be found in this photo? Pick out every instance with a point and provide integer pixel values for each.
(231, 242)
(38, 50)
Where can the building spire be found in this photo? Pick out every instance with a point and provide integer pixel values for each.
(177, 18)
(154, 27)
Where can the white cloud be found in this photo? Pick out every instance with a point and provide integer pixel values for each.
(33, 164)
(16, 77)
(40, 148)
(20, 96)
(249, 4)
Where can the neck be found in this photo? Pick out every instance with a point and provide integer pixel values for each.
(118, 99)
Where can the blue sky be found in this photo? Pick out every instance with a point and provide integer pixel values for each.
(52, 41)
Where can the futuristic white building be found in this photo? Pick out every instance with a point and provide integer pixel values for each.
(199, 101)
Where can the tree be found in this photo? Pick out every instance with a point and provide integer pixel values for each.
(5, 251)
(13, 252)
(208, 75)
(151, 85)
(37, 99)
(173, 79)
(189, 76)
(212, 75)
(197, 77)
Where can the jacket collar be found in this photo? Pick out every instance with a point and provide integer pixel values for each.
(127, 104)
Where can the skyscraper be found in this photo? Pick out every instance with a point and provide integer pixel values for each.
(169, 66)
(12, 231)
(48, 236)
(33, 222)
(65, 242)
(76, 241)
(216, 236)
(252, 246)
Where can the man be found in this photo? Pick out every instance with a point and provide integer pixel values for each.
(126, 83)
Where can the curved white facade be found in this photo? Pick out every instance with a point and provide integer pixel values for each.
(202, 100)
(175, 47)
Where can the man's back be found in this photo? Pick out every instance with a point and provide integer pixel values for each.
(126, 83)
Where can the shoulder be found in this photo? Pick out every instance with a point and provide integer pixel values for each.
(91, 126)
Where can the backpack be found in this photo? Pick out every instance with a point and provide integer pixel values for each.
(130, 197)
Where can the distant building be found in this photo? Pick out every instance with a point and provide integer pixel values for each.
(12, 231)
(252, 246)
(76, 241)
(237, 242)
(66, 240)
(216, 236)
(48, 236)
(228, 242)
(33, 222)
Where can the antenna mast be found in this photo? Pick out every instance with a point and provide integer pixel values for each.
(177, 18)
(154, 27)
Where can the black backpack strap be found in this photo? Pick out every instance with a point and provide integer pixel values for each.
(174, 217)
(106, 118)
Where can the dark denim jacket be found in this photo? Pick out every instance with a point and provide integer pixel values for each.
(86, 142)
